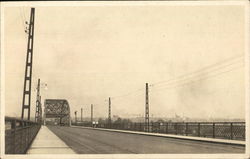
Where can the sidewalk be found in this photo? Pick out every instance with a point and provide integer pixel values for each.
(46, 142)
(202, 139)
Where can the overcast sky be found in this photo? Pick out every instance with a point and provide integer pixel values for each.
(87, 54)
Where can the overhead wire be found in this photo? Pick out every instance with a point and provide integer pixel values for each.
(209, 68)
(127, 94)
(189, 76)
(22, 18)
(190, 82)
(24, 13)
(207, 72)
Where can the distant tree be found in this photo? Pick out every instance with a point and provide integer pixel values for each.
(125, 121)
(101, 121)
(118, 121)
(122, 121)
(160, 121)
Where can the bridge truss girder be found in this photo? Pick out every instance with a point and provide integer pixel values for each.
(57, 108)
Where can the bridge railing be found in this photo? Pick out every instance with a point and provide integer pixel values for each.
(19, 135)
(221, 130)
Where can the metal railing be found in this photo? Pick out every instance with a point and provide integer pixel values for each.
(221, 130)
(19, 135)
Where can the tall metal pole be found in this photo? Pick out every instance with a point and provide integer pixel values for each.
(109, 117)
(40, 110)
(28, 67)
(147, 110)
(44, 113)
(76, 116)
(92, 115)
(37, 114)
(81, 115)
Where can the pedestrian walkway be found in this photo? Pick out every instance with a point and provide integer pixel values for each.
(46, 142)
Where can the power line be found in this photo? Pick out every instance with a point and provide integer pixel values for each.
(24, 12)
(200, 70)
(190, 82)
(127, 94)
(124, 100)
(193, 76)
(185, 77)
(22, 18)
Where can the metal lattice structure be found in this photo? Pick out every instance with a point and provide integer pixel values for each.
(38, 114)
(59, 109)
(109, 115)
(146, 110)
(28, 67)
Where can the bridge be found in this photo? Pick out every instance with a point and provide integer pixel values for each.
(61, 136)
(124, 139)
(55, 132)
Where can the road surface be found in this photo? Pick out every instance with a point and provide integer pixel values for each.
(90, 141)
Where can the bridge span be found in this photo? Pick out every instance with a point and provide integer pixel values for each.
(94, 141)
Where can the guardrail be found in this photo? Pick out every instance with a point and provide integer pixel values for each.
(19, 135)
(221, 130)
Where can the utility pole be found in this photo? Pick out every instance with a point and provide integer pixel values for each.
(38, 103)
(40, 109)
(81, 115)
(28, 67)
(44, 114)
(76, 117)
(146, 110)
(92, 115)
(109, 117)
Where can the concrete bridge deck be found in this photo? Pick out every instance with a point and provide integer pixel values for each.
(194, 138)
(94, 141)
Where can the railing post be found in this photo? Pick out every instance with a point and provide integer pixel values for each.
(199, 129)
(231, 131)
(13, 127)
(23, 133)
(176, 128)
(213, 130)
(159, 127)
(166, 128)
(186, 129)
(25, 139)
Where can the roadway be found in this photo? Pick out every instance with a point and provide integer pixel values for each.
(92, 141)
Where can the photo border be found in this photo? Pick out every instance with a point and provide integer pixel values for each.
(128, 3)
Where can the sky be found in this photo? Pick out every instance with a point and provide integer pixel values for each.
(86, 54)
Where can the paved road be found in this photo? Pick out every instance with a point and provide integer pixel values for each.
(89, 141)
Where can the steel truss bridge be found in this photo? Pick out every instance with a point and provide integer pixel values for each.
(83, 138)
(57, 108)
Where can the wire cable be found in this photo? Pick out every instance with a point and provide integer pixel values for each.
(201, 70)
(190, 82)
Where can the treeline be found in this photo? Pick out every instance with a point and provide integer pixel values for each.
(117, 121)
